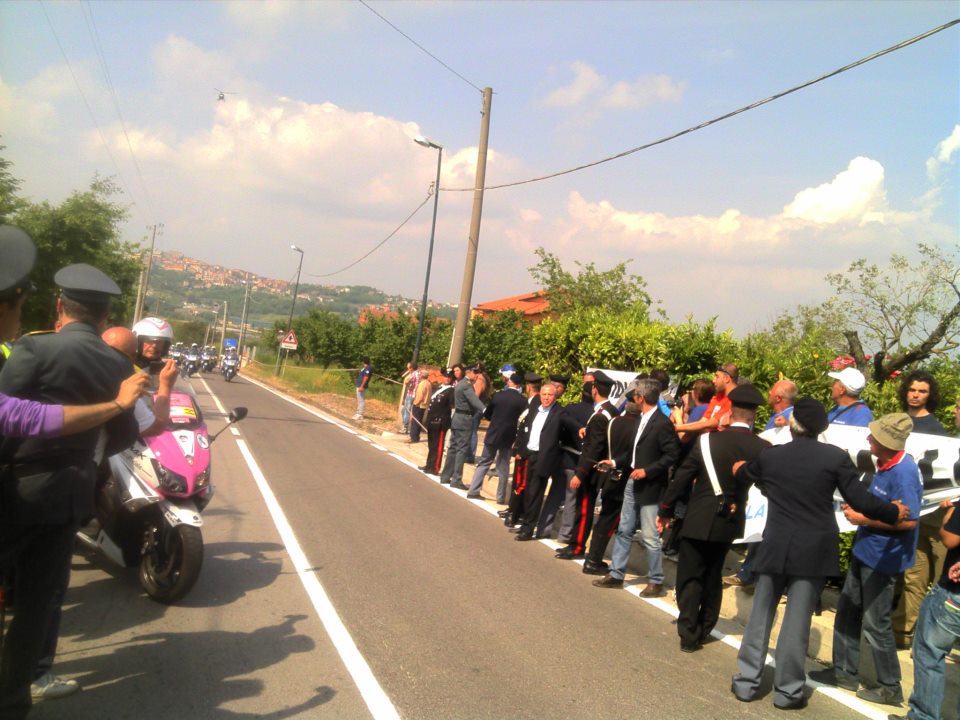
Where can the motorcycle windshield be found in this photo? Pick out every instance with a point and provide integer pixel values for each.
(184, 411)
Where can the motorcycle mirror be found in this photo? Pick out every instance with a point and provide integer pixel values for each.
(238, 414)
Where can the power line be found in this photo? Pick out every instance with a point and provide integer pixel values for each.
(93, 117)
(98, 48)
(362, 2)
(379, 244)
(727, 116)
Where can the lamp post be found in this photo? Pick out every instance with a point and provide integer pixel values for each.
(293, 304)
(421, 140)
(243, 313)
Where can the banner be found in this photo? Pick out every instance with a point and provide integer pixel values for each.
(938, 458)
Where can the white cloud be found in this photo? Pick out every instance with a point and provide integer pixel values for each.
(589, 86)
(855, 195)
(586, 83)
(943, 155)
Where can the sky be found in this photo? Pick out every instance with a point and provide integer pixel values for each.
(313, 142)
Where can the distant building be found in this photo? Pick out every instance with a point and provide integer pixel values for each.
(376, 312)
(533, 306)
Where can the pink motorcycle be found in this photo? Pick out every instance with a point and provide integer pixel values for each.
(149, 503)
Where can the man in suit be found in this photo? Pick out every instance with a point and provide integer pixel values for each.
(538, 441)
(645, 461)
(714, 518)
(466, 404)
(800, 547)
(48, 484)
(503, 412)
(585, 479)
(438, 422)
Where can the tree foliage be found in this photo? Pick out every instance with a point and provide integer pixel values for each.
(614, 289)
(84, 228)
(903, 313)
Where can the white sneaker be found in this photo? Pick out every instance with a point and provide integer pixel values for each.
(50, 687)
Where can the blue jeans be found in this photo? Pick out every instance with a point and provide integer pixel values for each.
(865, 605)
(938, 627)
(630, 517)
(406, 411)
(361, 401)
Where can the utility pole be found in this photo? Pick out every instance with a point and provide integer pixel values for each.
(243, 313)
(145, 285)
(223, 332)
(470, 264)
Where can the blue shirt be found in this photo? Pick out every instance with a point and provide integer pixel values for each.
(857, 414)
(785, 414)
(697, 413)
(892, 552)
(365, 372)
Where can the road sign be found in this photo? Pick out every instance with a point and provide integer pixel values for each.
(289, 341)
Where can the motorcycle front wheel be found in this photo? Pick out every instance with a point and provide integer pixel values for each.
(171, 567)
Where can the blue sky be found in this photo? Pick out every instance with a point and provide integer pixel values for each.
(739, 221)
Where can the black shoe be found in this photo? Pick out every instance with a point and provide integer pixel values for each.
(523, 536)
(474, 496)
(835, 678)
(503, 513)
(692, 648)
(516, 528)
(594, 568)
(444, 482)
(882, 694)
(423, 468)
(567, 553)
(795, 705)
(458, 486)
(608, 581)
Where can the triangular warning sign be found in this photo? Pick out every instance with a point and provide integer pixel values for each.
(290, 337)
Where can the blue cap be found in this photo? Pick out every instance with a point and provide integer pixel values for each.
(85, 284)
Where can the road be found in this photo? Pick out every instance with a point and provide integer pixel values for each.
(443, 614)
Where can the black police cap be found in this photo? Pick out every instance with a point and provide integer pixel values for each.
(84, 283)
(532, 377)
(19, 255)
(746, 396)
(562, 379)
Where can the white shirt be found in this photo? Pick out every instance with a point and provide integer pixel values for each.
(533, 444)
(644, 419)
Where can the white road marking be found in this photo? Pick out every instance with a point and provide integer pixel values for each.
(841, 696)
(373, 695)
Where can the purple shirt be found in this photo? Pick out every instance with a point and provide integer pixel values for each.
(26, 418)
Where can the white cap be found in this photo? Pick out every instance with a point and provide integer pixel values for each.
(852, 379)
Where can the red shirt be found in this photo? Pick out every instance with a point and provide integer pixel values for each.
(719, 406)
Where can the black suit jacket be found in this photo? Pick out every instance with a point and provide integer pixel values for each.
(595, 446)
(440, 408)
(71, 367)
(548, 457)
(503, 412)
(799, 480)
(657, 449)
(691, 483)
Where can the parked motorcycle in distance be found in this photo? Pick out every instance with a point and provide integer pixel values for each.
(150, 499)
(230, 365)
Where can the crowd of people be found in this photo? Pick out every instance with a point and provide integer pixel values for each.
(680, 471)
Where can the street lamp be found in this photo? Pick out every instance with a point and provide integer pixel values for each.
(293, 304)
(421, 140)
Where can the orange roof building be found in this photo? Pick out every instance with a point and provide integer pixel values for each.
(533, 306)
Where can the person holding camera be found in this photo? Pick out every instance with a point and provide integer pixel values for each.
(714, 518)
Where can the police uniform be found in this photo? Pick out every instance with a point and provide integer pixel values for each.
(48, 484)
(438, 423)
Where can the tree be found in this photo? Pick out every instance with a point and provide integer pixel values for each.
(503, 338)
(613, 288)
(10, 201)
(905, 313)
(84, 228)
(325, 337)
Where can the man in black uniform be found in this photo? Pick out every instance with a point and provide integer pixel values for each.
(715, 515)
(48, 484)
(585, 477)
(438, 422)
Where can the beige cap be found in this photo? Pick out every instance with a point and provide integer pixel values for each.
(892, 430)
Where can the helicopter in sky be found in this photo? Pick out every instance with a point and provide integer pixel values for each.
(221, 94)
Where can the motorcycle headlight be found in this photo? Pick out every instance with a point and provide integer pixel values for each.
(170, 481)
(203, 478)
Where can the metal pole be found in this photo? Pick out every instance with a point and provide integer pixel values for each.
(243, 314)
(293, 304)
(142, 297)
(223, 333)
(426, 281)
(470, 264)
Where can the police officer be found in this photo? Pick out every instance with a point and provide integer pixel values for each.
(438, 422)
(48, 484)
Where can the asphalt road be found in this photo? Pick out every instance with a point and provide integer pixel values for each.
(450, 617)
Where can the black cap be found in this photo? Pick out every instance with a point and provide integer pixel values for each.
(603, 382)
(562, 379)
(746, 396)
(532, 377)
(447, 373)
(19, 255)
(84, 283)
(516, 378)
(811, 414)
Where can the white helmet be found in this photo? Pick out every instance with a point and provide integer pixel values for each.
(156, 329)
